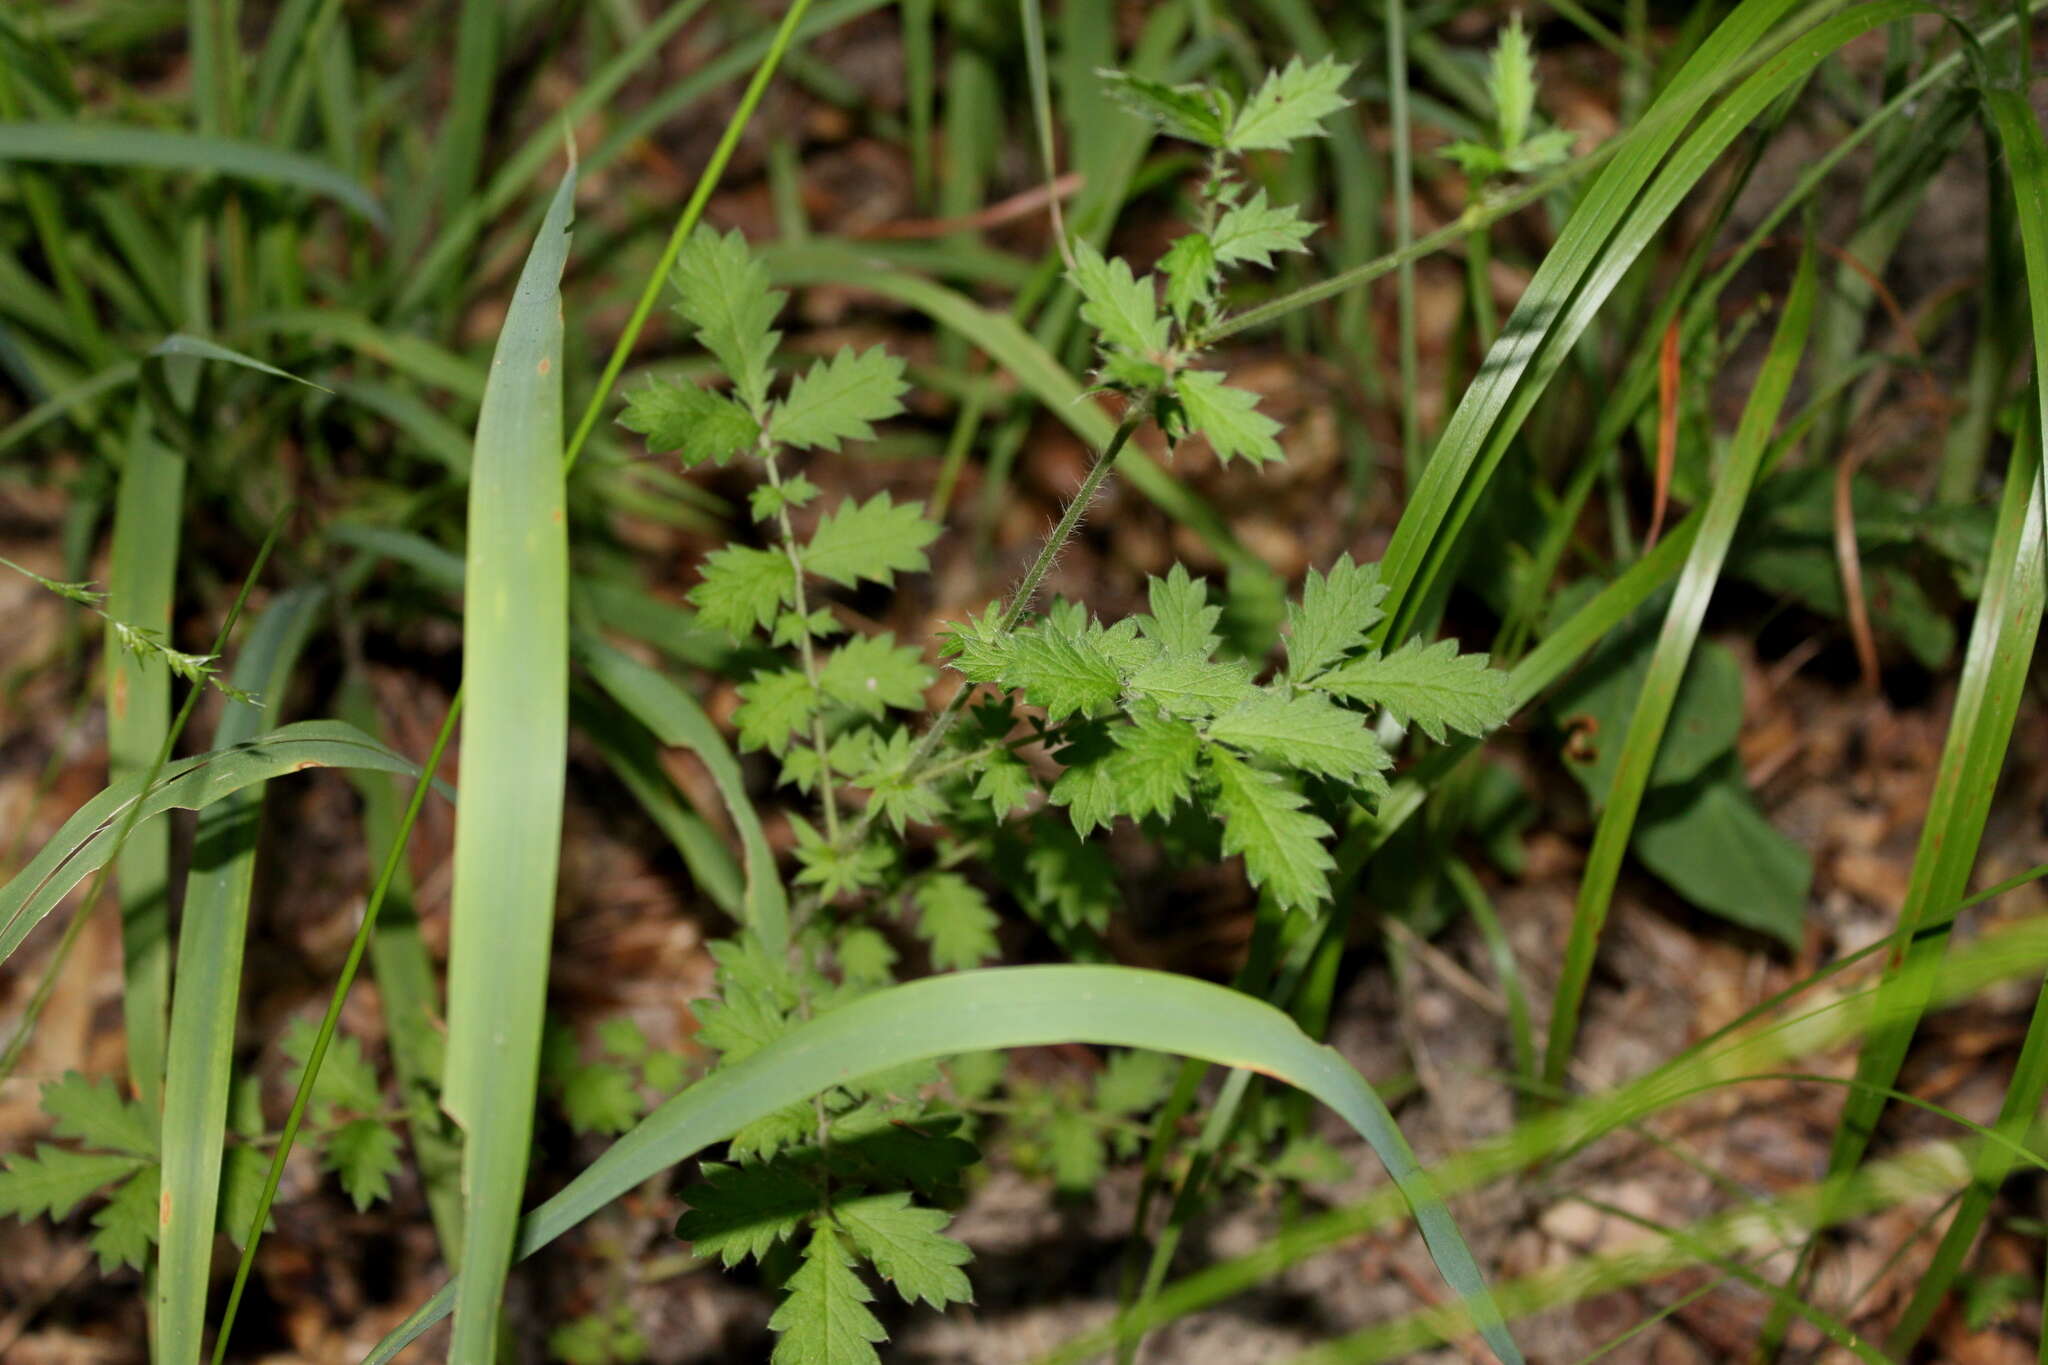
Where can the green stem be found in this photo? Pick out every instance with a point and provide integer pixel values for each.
(685, 225)
(328, 1022)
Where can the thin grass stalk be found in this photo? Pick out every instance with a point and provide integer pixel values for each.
(1668, 663)
(1403, 193)
(387, 874)
(785, 35)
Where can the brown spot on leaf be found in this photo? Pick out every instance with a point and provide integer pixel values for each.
(163, 1210)
(546, 364)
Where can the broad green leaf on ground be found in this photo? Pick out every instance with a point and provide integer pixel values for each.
(1709, 842)
(1593, 707)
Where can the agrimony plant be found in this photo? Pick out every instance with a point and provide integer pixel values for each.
(1061, 724)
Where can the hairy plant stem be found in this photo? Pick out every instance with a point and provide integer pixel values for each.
(1027, 588)
(803, 637)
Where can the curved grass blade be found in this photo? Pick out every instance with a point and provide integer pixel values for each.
(86, 840)
(1000, 1008)
(162, 149)
(508, 833)
(142, 569)
(1599, 243)
(676, 719)
(1668, 664)
(199, 348)
(212, 933)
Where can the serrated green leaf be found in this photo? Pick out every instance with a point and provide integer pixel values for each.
(955, 921)
(837, 400)
(127, 1223)
(908, 1246)
(1073, 1149)
(1432, 686)
(1134, 1081)
(874, 540)
(1263, 819)
(871, 673)
(1291, 103)
(767, 499)
(876, 1144)
(1122, 308)
(1184, 111)
(741, 1211)
(1182, 621)
(724, 294)
(1059, 673)
(740, 1023)
(94, 1112)
(56, 1179)
(1307, 731)
(773, 1132)
(1087, 788)
(1004, 781)
(824, 1319)
(1333, 616)
(865, 957)
(1190, 269)
(1549, 148)
(696, 424)
(346, 1080)
(1155, 765)
(744, 588)
(1068, 879)
(774, 707)
(1185, 685)
(599, 1097)
(1229, 417)
(1511, 80)
(622, 1039)
(1477, 160)
(835, 870)
(364, 1153)
(1254, 230)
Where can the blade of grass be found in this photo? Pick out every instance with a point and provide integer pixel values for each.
(199, 1060)
(414, 1037)
(107, 144)
(87, 840)
(1403, 195)
(459, 143)
(675, 718)
(1995, 672)
(142, 569)
(686, 223)
(508, 831)
(1554, 318)
(1000, 1008)
(1668, 663)
(406, 988)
